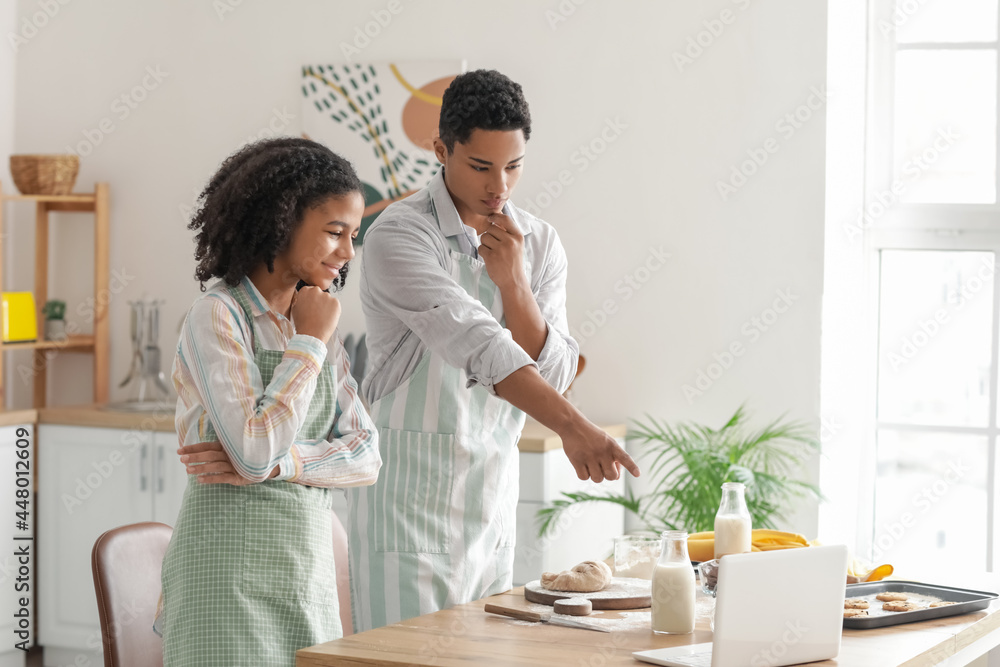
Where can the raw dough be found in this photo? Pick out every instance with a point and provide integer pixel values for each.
(587, 577)
(573, 606)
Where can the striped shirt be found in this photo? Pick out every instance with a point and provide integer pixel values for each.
(411, 302)
(218, 383)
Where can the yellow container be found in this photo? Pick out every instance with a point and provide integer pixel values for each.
(19, 319)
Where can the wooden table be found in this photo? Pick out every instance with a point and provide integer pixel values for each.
(466, 635)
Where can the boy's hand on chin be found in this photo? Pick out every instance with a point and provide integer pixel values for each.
(502, 250)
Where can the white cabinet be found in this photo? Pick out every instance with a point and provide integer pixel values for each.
(169, 477)
(583, 532)
(92, 480)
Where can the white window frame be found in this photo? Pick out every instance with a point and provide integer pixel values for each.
(910, 226)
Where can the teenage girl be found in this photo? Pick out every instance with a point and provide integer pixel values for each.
(268, 414)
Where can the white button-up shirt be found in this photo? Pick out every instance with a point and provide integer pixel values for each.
(218, 383)
(412, 303)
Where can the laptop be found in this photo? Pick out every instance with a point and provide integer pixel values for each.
(774, 608)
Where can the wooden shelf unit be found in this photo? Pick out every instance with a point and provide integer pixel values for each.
(97, 343)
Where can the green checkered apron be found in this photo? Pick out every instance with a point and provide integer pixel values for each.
(437, 529)
(248, 578)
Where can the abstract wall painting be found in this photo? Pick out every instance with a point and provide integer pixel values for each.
(383, 117)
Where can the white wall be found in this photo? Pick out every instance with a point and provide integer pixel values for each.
(8, 60)
(654, 186)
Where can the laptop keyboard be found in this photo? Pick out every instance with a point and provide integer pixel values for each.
(696, 660)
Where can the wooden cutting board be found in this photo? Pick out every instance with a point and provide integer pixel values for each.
(621, 593)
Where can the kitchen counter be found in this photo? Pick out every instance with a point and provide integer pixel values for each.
(466, 635)
(534, 437)
(18, 417)
(92, 415)
(537, 438)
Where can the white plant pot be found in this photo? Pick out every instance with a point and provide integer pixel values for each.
(55, 329)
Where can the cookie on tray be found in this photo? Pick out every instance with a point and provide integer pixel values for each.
(855, 613)
(891, 597)
(941, 604)
(900, 605)
(857, 603)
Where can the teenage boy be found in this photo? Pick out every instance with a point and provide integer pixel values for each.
(464, 297)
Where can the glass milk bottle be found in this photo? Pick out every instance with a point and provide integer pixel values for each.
(732, 522)
(673, 587)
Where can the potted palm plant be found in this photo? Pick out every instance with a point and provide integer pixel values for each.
(55, 324)
(690, 462)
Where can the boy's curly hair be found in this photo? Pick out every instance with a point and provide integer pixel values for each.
(255, 201)
(485, 100)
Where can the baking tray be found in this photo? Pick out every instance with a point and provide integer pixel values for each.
(966, 601)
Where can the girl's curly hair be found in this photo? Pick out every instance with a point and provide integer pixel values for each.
(255, 201)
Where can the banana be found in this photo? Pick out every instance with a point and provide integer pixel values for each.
(701, 546)
(777, 537)
(776, 547)
(879, 573)
(701, 549)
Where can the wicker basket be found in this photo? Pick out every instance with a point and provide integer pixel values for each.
(44, 174)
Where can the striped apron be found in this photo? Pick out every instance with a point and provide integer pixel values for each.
(248, 577)
(437, 529)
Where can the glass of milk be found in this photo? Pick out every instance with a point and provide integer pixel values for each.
(732, 522)
(636, 555)
(673, 589)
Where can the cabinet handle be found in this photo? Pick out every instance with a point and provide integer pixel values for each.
(159, 468)
(142, 468)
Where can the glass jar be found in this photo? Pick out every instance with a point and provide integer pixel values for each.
(673, 590)
(636, 555)
(732, 522)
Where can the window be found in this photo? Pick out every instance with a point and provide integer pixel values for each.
(932, 166)
(935, 429)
